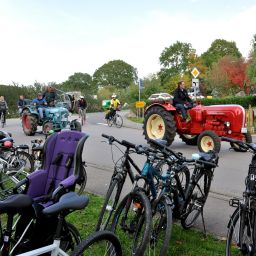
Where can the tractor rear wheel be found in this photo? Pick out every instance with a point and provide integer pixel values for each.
(29, 123)
(208, 140)
(189, 139)
(159, 124)
(247, 138)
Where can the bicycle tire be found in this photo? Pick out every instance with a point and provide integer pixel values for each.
(195, 199)
(29, 163)
(102, 242)
(81, 116)
(118, 121)
(162, 227)
(110, 122)
(239, 234)
(132, 223)
(110, 203)
(80, 186)
(70, 237)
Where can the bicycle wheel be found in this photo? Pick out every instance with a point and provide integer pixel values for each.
(241, 233)
(99, 243)
(70, 237)
(26, 160)
(132, 223)
(162, 227)
(81, 116)
(109, 205)
(80, 186)
(118, 121)
(110, 122)
(195, 199)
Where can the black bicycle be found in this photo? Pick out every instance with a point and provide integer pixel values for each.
(122, 167)
(241, 236)
(188, 194)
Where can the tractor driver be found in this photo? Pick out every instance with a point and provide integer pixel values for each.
(182, 101)
(40, 103)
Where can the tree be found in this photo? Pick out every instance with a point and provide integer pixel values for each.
(175, 60)
(251, 70)
(220, 48)
(79, 82)
(115, 73)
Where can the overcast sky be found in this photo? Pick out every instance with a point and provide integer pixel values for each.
(49, 40)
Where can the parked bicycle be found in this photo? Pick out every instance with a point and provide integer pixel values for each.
(241, 236)
(15, 164)
(189, 200)
(99, 243)
(116, 120)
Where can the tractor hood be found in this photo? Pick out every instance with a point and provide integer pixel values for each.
(233, 115)
(57, 110)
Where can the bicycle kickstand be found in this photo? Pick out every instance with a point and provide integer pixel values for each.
(202, 214)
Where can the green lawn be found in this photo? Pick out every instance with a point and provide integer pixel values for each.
(136, 119)
(183, 243)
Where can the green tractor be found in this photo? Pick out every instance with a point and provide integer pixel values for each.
(55, 117)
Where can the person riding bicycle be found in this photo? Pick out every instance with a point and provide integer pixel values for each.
(3, 108)
(114, 105)
(82, 105)
(40, 103)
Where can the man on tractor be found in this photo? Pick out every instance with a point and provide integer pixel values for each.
(182, 101)
(40, 103)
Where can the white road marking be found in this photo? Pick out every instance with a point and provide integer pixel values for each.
(102, 124)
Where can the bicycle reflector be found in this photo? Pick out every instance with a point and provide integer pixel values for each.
(8, 144)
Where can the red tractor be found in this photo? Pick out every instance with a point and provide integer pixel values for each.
(208, 123)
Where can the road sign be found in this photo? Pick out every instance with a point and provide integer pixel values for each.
(140, 104)
(195, 83)
(195, 72)
(141, 84)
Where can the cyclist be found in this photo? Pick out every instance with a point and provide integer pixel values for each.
(40, 103)
(3, 108)
(114, 105)
(82, 105)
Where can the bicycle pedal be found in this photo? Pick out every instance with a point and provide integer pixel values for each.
(234, 202)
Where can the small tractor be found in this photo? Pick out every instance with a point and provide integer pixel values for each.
(207, 125)
(55, 118)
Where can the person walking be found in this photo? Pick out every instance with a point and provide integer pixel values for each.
(3, 110)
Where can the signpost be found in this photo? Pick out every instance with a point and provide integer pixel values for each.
(195, 82)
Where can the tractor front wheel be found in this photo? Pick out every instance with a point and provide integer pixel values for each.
(29, 123)
(208, 140)
(159, 124)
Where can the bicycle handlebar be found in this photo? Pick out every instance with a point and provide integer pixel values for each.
(244, 145)
(112, 139)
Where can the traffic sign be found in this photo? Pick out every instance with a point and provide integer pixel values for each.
(195, 72)
(140, 104)
(195, 83)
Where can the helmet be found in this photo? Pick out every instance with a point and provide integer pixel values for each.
(113, 95)
(81, 97)
(8, 144)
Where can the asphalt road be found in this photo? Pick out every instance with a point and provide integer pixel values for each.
(228, 177)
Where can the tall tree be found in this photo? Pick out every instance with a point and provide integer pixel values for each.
(175, 60)
(220, 48)
(251, 71)
(115, 73)
(79, 82)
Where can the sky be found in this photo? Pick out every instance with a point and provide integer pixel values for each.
(49, 40)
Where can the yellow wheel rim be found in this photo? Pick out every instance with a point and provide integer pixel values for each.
(207, 143)
(155, 127)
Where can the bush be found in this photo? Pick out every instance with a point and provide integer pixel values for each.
(244, 101)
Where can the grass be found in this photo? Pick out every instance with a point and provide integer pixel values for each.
(183, 242)
(136, 119)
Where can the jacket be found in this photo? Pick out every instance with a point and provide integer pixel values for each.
(181, 96)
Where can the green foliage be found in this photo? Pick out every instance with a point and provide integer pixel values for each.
(220, 48)
(244, 101)
(11, 94)
(251, 71)
(79, 82)
(175, 60)
(115, 73)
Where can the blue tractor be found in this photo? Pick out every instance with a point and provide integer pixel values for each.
(55, 117)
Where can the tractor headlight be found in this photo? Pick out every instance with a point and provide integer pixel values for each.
(227, 124)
